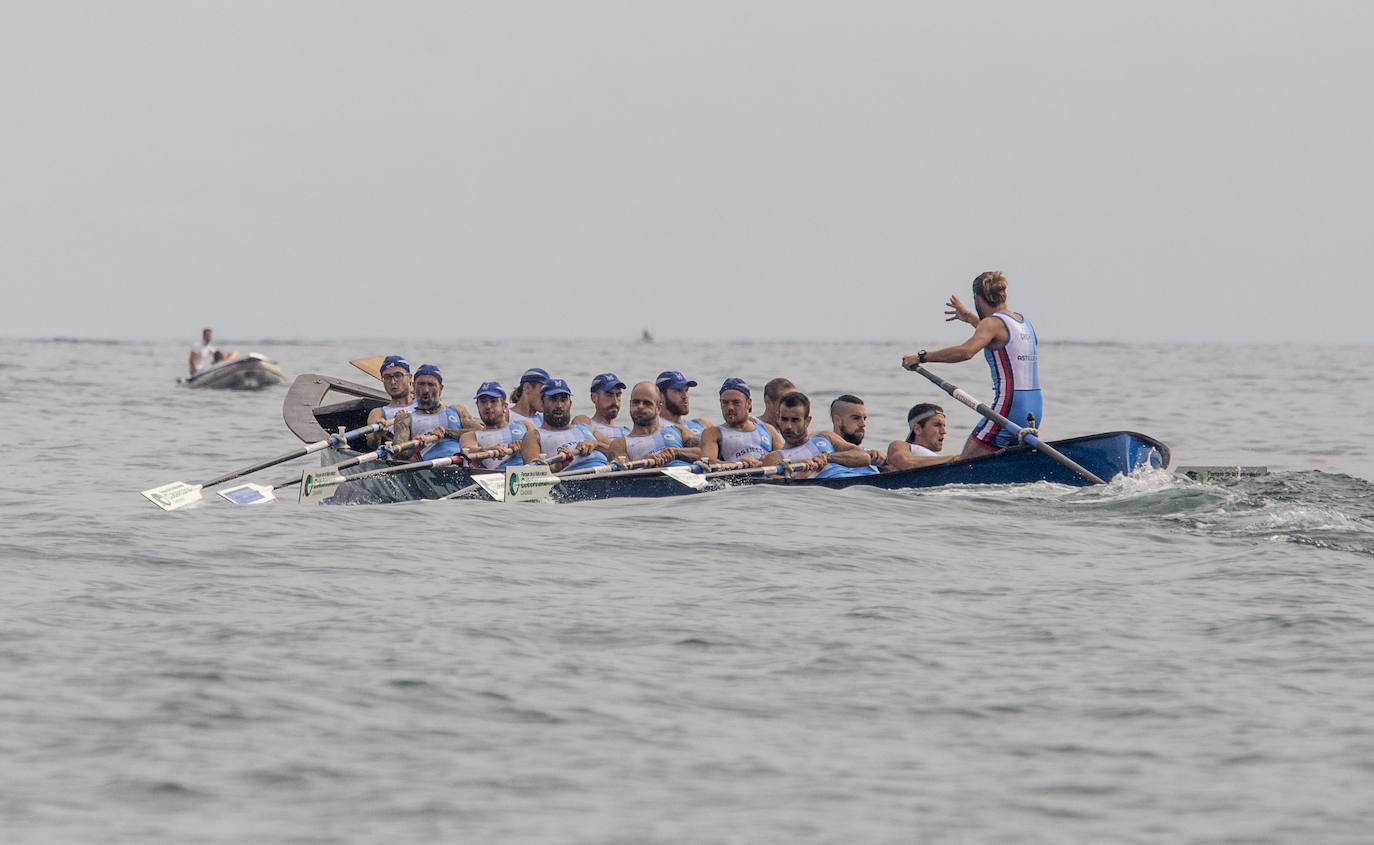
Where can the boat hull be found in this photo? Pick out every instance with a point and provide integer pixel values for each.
(251, 372)
(1105, 455)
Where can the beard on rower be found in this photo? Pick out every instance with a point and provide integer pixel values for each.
(491, 410)
(558, 410)
(427, 393)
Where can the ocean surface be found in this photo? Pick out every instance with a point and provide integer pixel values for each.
(1157, 660)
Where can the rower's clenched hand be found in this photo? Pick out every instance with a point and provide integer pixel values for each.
(877, 459)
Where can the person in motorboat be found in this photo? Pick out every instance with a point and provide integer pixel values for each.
(395, 376)
(431, 417)
(567, 445)
(650, 437)
(676, 404)
(849, 421)
(773, 391)
(498, 429)
(824, 455)
(740, 437)
(923, 443)
(525, 401)
(607, 389)
(202, 354)
(1007, 340)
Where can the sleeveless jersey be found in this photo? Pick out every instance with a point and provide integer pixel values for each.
(736, 443)
(610, 432)
(691, 425)
(488, 437)
(550, 440)
(1015, 382)
(537, 420)
(424, 423)
(389, 411)
(639, 446)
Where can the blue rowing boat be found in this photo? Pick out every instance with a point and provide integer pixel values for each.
(312, 418)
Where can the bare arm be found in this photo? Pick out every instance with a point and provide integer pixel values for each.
(899, 457)
(710, 444)
(846, 454)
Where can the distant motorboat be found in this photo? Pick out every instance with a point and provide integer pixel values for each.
(645, 337)
(246, 372)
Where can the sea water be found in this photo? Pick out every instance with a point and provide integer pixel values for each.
(1157, 660)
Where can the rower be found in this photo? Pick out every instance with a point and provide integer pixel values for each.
(849, 422)
(1007, 341)
(606, 392)
(651, 437)
(824, 455)
(559, 438)
(395, 375)
(525, 399)
(498, 429)
(773, 391)
(673, 387)
(923, 443)
(740, 437)
(430, 416)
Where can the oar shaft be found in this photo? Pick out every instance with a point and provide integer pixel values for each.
(295, 453)
(982, 408)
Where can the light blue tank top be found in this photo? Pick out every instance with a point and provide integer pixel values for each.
(488, 437)
(641, 445)
(736, 444)
(550, 441)
(425, 423)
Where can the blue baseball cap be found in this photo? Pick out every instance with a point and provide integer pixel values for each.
(429, 370)
(607, 381)
(394, 361)
(673, 380)
(554, 387)
(490, 388)
(535, 374)
(736, 384)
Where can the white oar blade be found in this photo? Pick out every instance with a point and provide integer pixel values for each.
(529, 483)
(248, 494)
(683, 475)
(178, 494)
(493, 484)
(318, 484)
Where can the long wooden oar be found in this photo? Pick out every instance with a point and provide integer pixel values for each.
(1020, 431)
(372, 366)
(179, 494)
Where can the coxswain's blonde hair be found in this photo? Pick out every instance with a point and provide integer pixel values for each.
(992, 286)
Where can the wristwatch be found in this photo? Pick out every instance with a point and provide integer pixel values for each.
(921, 357)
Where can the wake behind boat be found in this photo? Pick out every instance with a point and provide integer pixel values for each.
(245, 372)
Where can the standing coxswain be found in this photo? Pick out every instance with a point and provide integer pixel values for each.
(1007, 340)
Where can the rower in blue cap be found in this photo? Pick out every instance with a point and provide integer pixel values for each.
(498, 429)
(525, 401)
(431, 417)
(395, 376)
(740, 437)
(567, 445)
(606, 391)
(673, 386)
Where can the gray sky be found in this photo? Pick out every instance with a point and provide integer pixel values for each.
(1146, 171)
